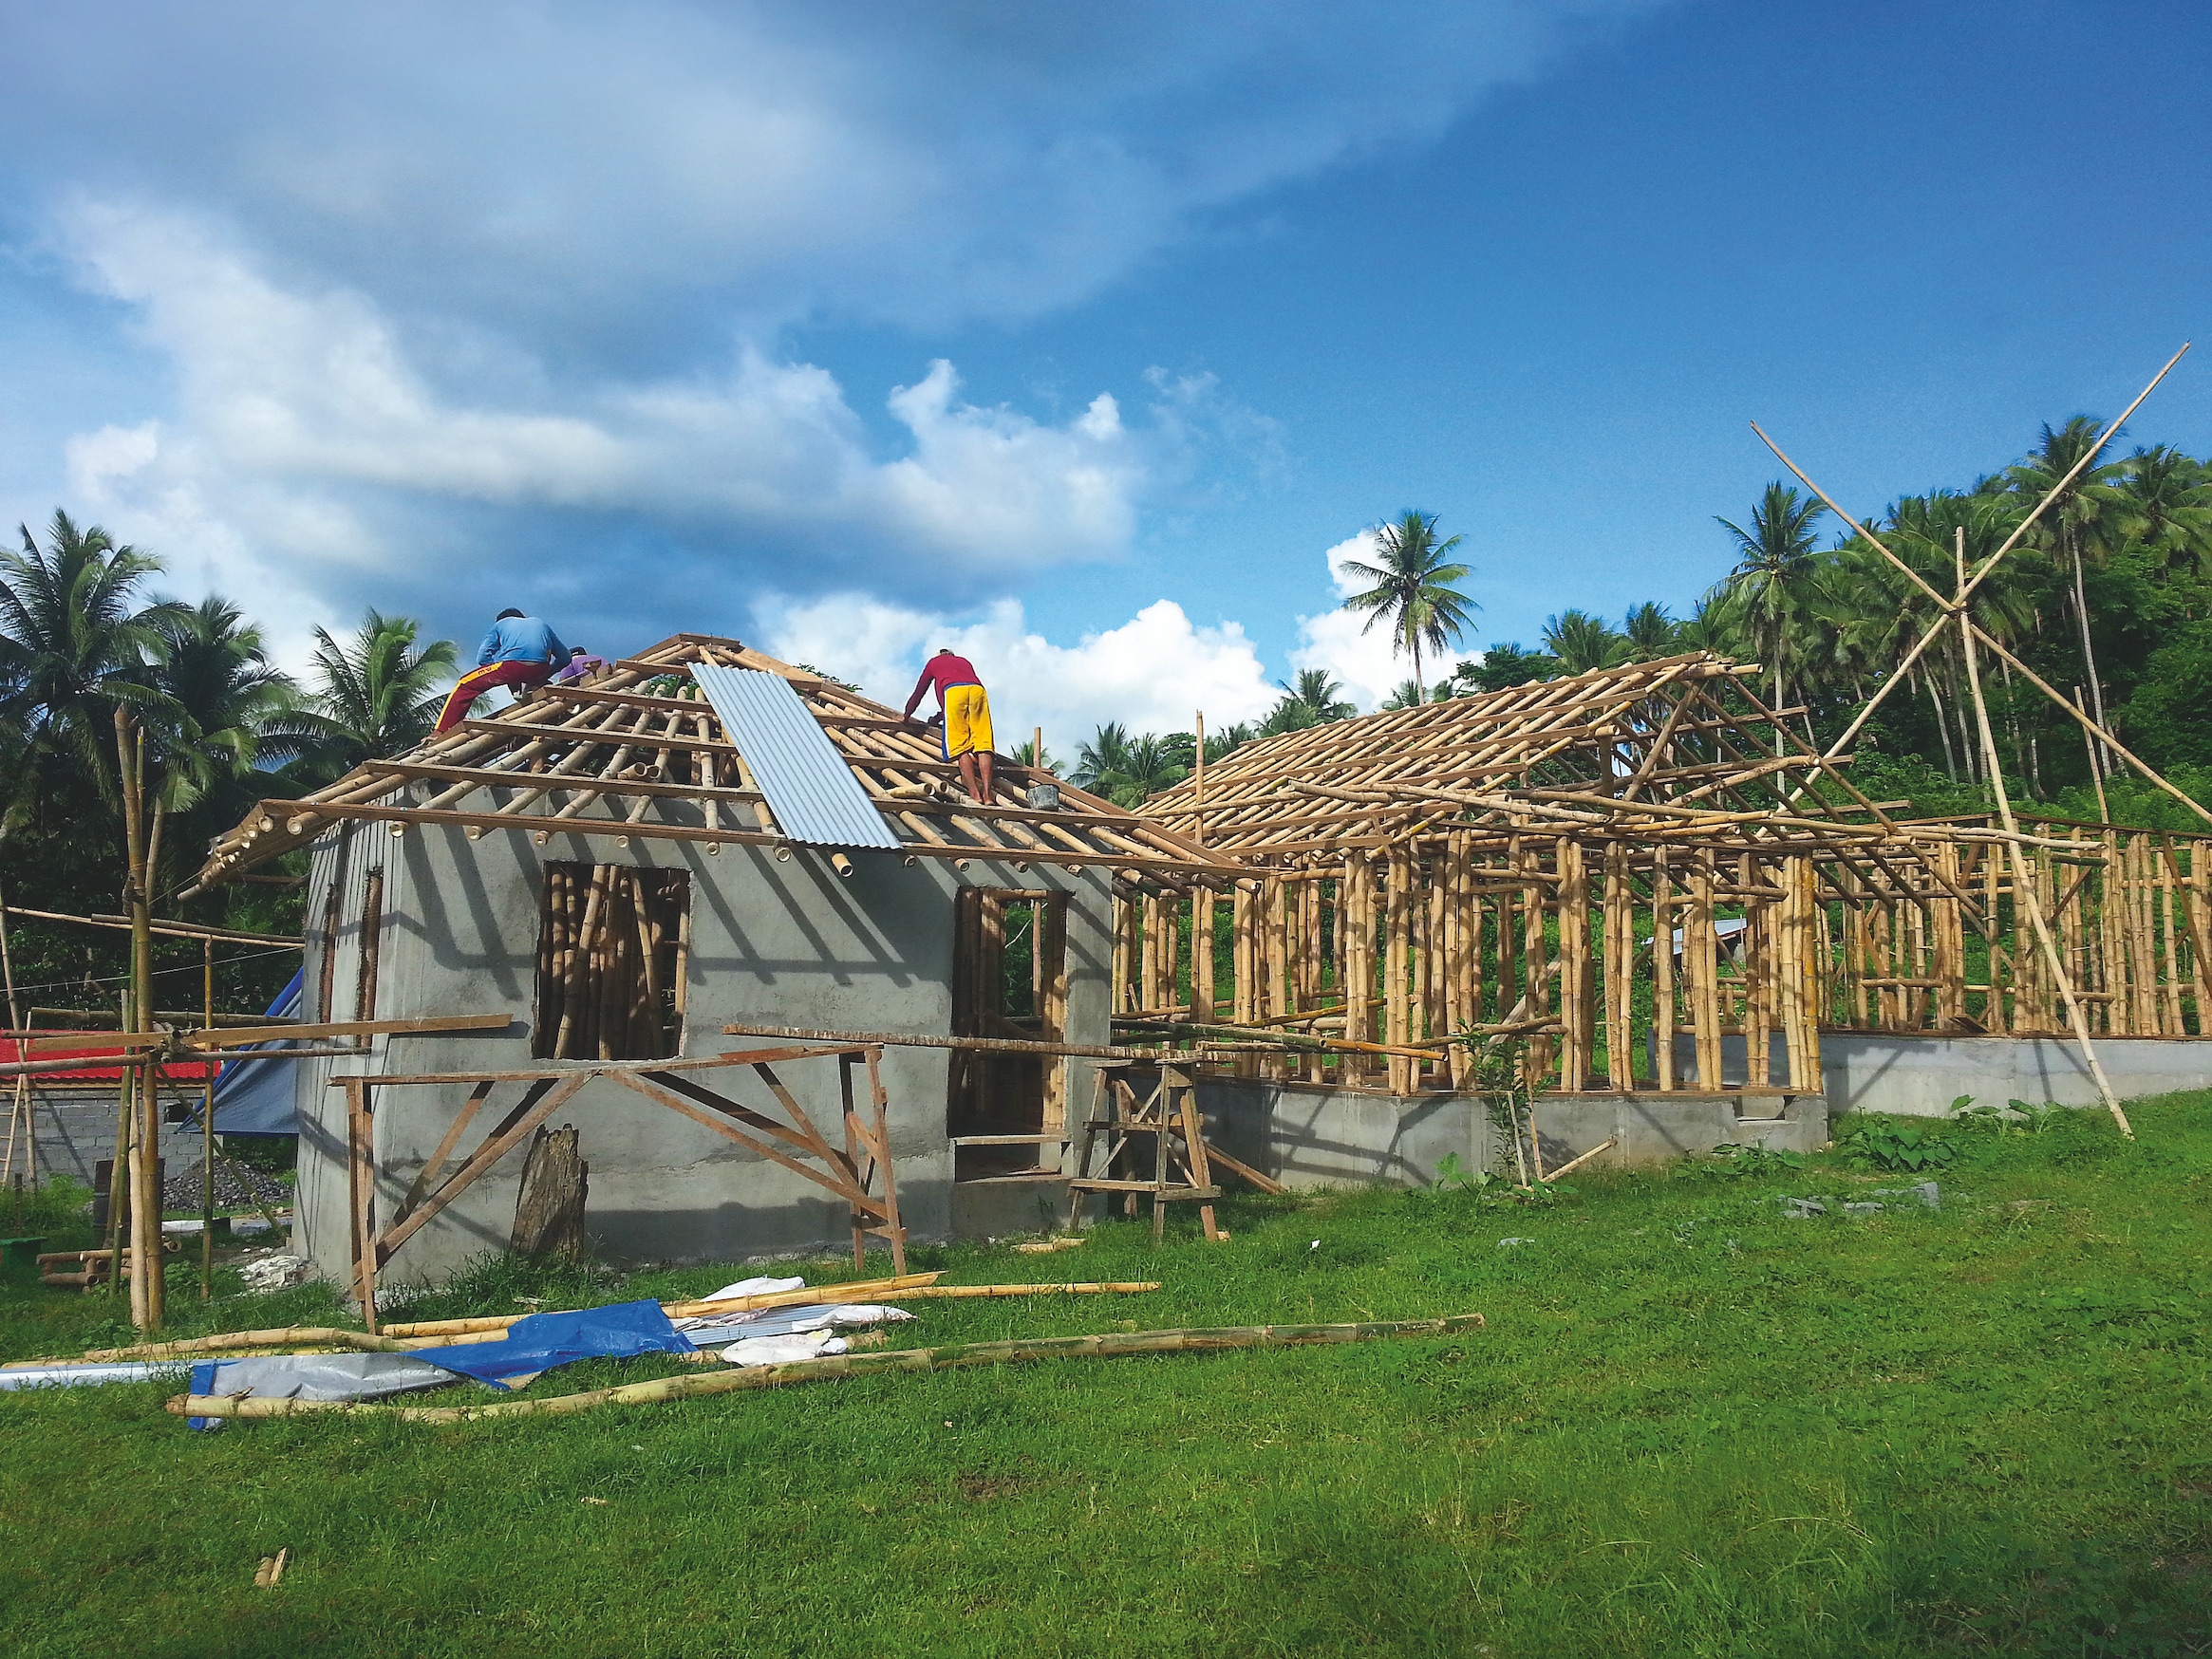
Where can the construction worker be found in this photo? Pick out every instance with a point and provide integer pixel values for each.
(520, 651)
(581, 666)
(965, 709)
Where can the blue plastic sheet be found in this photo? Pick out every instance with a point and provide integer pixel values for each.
(545, 1340)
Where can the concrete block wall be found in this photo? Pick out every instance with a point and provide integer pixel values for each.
(1308, 1136)
(773, 942)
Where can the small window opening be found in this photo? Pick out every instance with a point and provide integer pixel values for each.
(614, 952)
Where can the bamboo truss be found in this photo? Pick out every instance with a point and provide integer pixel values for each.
(634, 753)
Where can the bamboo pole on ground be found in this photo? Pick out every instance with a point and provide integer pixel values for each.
(1109, 1346)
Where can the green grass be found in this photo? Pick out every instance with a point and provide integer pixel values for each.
(1691, 1428)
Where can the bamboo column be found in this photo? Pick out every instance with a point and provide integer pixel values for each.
(2170, 1013)
(1619, 970)
(1201, 955)
(1533, 959)
(1576, 981)
(1699, 953)
(147, 1290)
(1399, 905)
(1356, 916)
(1662, 972)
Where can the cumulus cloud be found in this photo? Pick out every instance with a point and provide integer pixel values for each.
(297, 411)
(447, 308)
(1151, 673)
(1365, 659)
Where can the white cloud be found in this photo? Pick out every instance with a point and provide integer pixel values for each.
(1341, 641)
(591, 171)
(295, 407)
(1151, 673)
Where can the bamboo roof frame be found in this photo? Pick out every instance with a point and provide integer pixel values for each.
(609, 758)
(1655, 754)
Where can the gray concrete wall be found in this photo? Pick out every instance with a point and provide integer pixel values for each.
(1305, 1135)
(775, 942)
(1919, 1077)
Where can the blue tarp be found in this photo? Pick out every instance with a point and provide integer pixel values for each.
(545, 1340)
(256, 1097)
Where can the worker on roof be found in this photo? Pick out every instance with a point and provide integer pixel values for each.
(965, 709)
(580, 664)
(520, 651)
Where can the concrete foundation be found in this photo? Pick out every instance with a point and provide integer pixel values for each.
(1920, 1077)
(1305, 1135)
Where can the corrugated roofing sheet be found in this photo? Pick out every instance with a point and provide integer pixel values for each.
(810, 787)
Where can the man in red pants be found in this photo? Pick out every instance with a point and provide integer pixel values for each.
(519, 651)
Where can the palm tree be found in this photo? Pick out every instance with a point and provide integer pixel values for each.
(1413, 587)
(1583, 642)
(73, 646)
(2077, 525)
(226, 711)
(1774, 573)
(1229, 739)
(1649, 632)
(1715, 623)
(1127, 770)
(1502, 665)
(1317, 698)
(377, 698)
(1407, 695)
(2164, 507)
(1104, 756)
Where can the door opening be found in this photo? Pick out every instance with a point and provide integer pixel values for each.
(1006, 1113)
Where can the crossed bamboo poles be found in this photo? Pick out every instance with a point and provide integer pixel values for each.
(1954, 608)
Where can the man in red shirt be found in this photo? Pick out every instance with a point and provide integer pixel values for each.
(968, 717)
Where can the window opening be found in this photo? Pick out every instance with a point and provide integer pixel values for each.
(612, 956)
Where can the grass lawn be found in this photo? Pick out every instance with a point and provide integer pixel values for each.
(1692, 1426)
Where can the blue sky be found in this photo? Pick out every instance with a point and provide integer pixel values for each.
(634, 320)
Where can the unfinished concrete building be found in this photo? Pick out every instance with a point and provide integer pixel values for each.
(1634, 899)
(612, 865)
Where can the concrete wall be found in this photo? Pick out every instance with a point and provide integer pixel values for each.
(75, 1128)
(772, 943)
(1919, 1077)
(1306, 1135)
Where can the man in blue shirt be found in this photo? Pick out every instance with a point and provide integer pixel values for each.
(519, 651)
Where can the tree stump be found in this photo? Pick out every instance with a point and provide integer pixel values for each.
(548, 1211)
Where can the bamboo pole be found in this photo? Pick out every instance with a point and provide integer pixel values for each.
(1107, 1346)
(207, 1136)
(147, 1286)
(2021, 891)
(1662, 962)
(1398, 896)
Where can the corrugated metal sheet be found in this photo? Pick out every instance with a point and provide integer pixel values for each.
(810, 787)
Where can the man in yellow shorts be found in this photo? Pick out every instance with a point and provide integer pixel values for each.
(967, 717)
